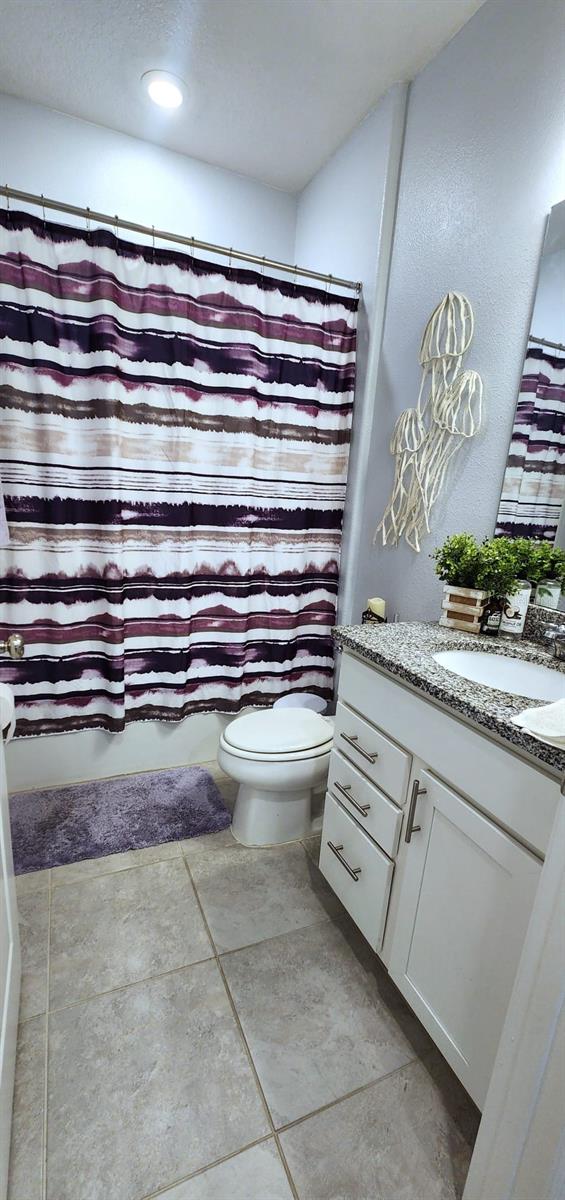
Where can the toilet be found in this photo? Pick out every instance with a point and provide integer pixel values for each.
(277, 756)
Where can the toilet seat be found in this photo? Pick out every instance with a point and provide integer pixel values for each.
(259, 756)
(281, 735)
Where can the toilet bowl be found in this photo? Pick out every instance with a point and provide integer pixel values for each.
(277, 758)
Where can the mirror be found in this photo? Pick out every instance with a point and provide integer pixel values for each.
(533, 491)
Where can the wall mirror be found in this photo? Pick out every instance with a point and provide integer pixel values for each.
(533, 491)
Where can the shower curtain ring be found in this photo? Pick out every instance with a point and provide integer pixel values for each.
(117, 220)
(263, 266)
(87, 221)
(153, 241)
(330, 281)
(7, 200)
(43, 209)
(229, 259)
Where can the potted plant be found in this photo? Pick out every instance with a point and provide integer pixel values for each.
(544, 565)
(473, 573)
(456, 563)
(501, 572)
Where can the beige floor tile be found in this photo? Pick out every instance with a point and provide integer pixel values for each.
(34, 881)
(147, 1085)
(150, 1083)
(208, 843)
(252, 894)
(320, 1016)
(255, 1174)
(33, 910)
(26, 1152)
(89, 867)
(115, 929)
(408, 1137)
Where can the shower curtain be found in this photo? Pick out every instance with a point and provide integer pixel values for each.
(174, 439)
(534, 481)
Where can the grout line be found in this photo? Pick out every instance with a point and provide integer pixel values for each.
(364, 1087)
(334, 917)
(34, 1017)
(120, 871)
(233, 1007)
(282, 1156)
(123, 987)
(162, 1191)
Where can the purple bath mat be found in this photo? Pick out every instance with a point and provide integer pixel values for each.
(63, 825)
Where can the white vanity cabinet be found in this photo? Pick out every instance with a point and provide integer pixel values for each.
(357, 870)
(433, 838)
(467, 892)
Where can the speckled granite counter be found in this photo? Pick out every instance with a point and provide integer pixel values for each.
(406, 649)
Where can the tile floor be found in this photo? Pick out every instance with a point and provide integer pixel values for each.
(201, 1021)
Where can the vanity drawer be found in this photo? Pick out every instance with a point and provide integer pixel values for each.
(372, 810)
(376, 756)
(363, 884)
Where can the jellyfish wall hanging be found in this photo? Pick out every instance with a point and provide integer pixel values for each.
(426, 438)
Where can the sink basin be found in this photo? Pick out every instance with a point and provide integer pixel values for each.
(507, 674)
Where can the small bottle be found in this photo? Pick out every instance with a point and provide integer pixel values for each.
(492, 616)
(514, 610)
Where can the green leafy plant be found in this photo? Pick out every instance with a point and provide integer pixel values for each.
(497, 572)
(489, 566)
(539, 560)
(457, 560)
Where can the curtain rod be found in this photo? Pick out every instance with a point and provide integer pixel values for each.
(544, 342)
(104, 219)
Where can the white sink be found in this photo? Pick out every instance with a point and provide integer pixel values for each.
(507, 674)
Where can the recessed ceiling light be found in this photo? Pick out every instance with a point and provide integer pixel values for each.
(163, 88)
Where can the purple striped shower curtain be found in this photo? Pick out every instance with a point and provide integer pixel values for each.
(174, 440)
(534, 481)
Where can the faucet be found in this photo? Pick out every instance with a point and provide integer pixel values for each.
(555, 635)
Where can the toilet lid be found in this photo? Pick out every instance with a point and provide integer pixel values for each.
(280, 732)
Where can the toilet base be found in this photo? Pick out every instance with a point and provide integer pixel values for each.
(264, 818)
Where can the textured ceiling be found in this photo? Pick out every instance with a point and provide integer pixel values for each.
(273, 85)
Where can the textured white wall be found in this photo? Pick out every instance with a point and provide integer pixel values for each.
(83, 164)
(482, 166)
(344, 224)
(339, 212)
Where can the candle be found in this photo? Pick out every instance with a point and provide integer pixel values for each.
(377, 606)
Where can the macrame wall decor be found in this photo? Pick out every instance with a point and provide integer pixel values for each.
(426, 438)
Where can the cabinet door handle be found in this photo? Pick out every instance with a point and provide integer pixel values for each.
(410, 826)
(353, 871)
(345, 790)
(352, 739)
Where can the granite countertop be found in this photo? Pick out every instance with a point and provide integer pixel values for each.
(405, 649)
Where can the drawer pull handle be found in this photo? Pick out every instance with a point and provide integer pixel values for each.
(353, 871)
(352, 739)
(345, 790)
(410, 826)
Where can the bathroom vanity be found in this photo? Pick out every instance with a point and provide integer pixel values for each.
(437, 818)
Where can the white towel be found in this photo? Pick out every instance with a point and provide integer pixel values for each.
(547, 722)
